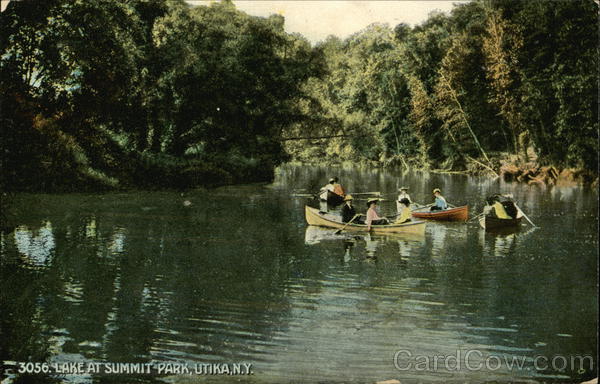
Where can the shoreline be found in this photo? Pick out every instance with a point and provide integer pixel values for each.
(531, 173)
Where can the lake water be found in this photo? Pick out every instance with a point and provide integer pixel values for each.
(238, 277)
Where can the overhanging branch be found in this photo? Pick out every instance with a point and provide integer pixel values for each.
(311, 138)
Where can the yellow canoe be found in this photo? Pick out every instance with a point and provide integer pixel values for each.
(314, 217)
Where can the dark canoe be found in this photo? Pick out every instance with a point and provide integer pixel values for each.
(452, 214)
(334, 199)
(491, 223)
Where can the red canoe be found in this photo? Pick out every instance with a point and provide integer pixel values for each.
(453, 214)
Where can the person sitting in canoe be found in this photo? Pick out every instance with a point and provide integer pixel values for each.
(405, 213)
(372, 216)
(348, 211)
(500, 209)
(328, 187)
(403, 195)
(440, 202)
(337, 187)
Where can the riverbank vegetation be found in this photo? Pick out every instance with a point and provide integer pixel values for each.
(159, 94)
(493, 84)
(118, 94)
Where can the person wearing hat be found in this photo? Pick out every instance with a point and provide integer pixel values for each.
(403, 195)
(348, 211)
(405, 213)
(440, 202)
(495, 208)
(372, 216)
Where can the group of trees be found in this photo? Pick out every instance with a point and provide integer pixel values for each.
(156, 93)
(145, 93)
(491, 79)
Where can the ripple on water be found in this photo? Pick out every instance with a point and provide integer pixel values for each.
(179, 284)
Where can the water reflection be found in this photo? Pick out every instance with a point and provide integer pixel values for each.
(503, 245)
(503, 242)
(349, 244)
(90, 228)
(406, 248)
(237, 275)
(117, 242)
(371, 245)
(438, 234)
(315, 235)
(365, 243)
(36, 246)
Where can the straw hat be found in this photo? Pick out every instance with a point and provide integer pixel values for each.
(403, 189)
(332, 180)
(348, 197)
(437, 190)
(372, 200)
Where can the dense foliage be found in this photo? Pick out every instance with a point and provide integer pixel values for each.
(150, 93)
(493, 79)
(155, 93)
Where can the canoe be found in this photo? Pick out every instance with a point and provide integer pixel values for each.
(452, 214)
(491, 223)
(332, 199)
(322, 219)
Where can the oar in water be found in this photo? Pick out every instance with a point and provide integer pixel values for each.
(524, 215)
(303, 195)
(424, 206)
(366, 193)
(313, 195)
(344, 227)
(476, 217)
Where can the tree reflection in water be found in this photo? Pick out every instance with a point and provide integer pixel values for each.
(36, 246)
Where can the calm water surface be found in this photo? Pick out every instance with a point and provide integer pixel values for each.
(237, 276)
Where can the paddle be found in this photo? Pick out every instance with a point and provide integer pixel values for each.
(424, 206)
(419, 206)
(524, 215)
(366, 193)
(510, 196)
(477, 217)
(303, 195)
(344, 227)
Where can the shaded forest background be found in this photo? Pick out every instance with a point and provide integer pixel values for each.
(155, 94)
